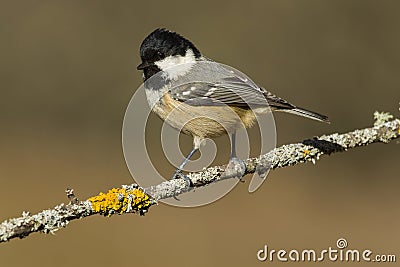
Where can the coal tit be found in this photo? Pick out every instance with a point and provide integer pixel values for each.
(200, 99)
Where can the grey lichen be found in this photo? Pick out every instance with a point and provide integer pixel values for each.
(47, 221)
(382, 117)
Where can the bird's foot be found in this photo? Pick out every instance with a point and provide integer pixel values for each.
(235, 168)
(179, 175)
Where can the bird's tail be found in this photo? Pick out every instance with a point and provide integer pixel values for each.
(307, 113)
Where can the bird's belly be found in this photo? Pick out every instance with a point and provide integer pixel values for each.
(203, 121)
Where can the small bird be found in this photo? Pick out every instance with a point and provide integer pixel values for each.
(200, 97)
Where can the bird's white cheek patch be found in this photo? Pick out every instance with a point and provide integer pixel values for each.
(175, 66)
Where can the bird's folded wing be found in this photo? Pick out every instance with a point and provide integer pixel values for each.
(232, 91)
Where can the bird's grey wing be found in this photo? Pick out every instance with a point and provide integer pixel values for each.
(232, 90)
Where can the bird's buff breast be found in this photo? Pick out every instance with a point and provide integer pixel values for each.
(202, 121)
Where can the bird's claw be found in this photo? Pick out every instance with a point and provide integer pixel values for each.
(179, 175)
(235, 168)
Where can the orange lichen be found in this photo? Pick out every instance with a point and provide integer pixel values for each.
(120, 200)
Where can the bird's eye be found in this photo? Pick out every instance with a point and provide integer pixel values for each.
(159, 54)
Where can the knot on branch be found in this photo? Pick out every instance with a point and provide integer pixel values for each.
(324, 146)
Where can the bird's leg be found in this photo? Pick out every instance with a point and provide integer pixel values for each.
(236, 167)
(177, 173)
(184, 162)
(233, 146)
(196, 146)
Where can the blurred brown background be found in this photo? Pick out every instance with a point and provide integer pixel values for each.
(68, 70)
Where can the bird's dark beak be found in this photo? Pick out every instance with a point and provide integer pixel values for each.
(144, 65)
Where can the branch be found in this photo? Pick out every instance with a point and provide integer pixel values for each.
(134, 199)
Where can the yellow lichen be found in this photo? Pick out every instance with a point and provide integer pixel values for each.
(120, 200)
(306, 152)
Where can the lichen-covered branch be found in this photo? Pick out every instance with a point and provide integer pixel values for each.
(134, 199)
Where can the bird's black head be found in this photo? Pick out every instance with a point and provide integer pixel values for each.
(161, 44)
